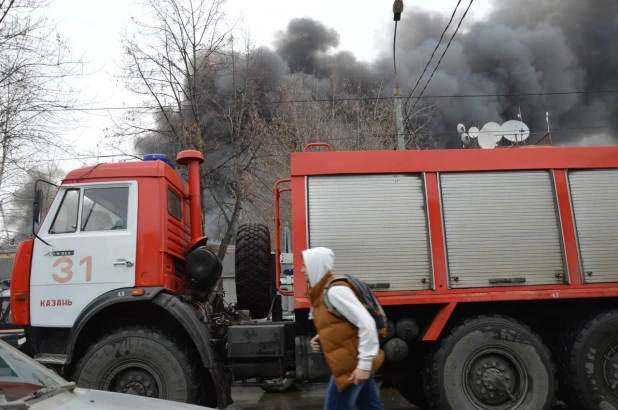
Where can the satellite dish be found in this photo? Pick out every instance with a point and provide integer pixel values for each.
(495, 128)
(490, 135)
(486, 139)
(473, 132)
(465, 138)
(514, 130)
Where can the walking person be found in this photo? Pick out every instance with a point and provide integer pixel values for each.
(350, 344)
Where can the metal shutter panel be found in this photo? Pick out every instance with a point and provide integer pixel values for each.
(375, 224)
(594, 195)
(501, 225)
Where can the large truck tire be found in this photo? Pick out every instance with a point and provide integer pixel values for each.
(589, 362)
(491, 362)
(254, 281)
(140, 361)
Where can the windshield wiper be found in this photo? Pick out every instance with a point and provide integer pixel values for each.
(22, 404)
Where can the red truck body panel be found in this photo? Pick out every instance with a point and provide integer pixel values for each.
(556, 159)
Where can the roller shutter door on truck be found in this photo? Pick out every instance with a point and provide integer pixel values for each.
(594, 196)
(375, 224)
(501, 229)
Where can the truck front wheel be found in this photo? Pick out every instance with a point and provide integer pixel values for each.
(491, 363)
(139, 361)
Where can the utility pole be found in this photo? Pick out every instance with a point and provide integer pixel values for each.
(397, 10)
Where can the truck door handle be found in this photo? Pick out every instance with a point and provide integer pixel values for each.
(122, 262)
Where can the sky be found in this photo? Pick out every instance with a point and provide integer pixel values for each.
(94, 29)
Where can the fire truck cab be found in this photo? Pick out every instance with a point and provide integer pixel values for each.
(118, 242)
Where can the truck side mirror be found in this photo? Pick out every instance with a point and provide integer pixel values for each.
(38, 204)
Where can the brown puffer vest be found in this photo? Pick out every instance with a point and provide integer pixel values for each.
(338, 337)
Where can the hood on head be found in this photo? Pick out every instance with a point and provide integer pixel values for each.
(319, 261)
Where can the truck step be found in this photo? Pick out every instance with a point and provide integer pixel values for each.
(51, 359)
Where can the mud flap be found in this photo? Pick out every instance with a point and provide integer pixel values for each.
(223, 385)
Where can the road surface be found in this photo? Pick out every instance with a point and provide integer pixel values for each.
(310, 397)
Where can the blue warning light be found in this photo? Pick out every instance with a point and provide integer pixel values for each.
(158, 157)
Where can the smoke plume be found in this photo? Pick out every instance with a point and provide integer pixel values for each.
(521, 47)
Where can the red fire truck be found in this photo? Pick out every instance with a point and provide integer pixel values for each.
(497, 270)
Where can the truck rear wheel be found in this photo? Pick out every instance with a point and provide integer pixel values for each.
(491, 363)
(142, 362)
(254, 281)
(589, 362)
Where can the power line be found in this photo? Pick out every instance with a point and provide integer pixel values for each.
(434, 52)
(137, 156)
(333, 100)
(441, 57)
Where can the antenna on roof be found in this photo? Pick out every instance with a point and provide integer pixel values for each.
(547, 120)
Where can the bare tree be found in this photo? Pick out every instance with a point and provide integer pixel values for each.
(168, 61)
(199, 93)
(5, 7)
(236, 105)
(36, 90)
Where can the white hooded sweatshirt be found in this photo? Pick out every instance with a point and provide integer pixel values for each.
(320, 261)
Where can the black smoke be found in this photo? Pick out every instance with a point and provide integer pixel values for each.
(520, 47)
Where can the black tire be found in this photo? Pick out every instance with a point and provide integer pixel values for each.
(499, 354)
(593, 345)
(140, 361)
(411, 389)
(254, 280)
(564, 347)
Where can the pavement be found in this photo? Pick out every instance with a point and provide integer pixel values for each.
(308, 397)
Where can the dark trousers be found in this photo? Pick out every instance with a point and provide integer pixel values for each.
(363, 396)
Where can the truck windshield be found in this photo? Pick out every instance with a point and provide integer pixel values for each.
(21, 376)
